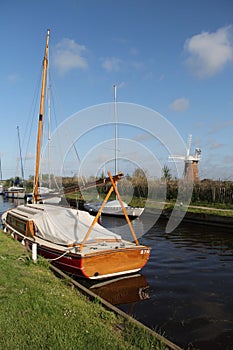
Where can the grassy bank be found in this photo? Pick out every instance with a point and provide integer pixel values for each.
(202, 209)
(40, 311)
(210, 211)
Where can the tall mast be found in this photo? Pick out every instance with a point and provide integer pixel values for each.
(49, 135)
(20, 155)
(40, 123)
(116, 130)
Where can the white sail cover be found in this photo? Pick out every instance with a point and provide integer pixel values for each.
(67, 226)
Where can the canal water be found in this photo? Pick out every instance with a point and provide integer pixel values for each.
(185, 291)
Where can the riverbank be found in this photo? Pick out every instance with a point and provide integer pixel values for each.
(49, 312)
(204, 215)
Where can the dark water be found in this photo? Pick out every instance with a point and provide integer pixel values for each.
(186, 289)
(8, 203)
(190, 278)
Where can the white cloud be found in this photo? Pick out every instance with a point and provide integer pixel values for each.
(209, 52)
(112, 64)
(121, 84)
(216, 145)
(13, 78)
(68, 55)
(180, 105)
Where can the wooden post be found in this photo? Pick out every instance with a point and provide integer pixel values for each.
(96, 218)
(123, 208)
(34, 252)
(112, 188)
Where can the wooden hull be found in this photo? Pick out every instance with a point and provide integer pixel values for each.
(96, 264)
(114, 263)
(99, 265)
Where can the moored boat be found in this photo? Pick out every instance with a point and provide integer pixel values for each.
(46, 196)
(59, 233)
(15, 192)
(113, 208)
(71, 239)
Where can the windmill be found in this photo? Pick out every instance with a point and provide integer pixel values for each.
(190, 161)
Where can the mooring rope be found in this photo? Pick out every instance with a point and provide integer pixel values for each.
(59, 257)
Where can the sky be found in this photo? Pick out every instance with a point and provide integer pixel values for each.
(174, 57)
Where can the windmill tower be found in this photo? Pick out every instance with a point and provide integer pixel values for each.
(190, 162)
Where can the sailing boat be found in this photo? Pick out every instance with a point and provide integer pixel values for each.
(71, 239)
(113, 207)
(16, 191)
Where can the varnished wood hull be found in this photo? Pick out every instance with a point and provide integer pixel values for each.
(114, 263)
(95, 265)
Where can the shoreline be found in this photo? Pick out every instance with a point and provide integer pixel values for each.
(209, 219)
(202, 217)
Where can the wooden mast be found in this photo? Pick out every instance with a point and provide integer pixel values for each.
(40, 123)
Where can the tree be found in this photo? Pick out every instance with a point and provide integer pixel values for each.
(166, 173)
(139, 182)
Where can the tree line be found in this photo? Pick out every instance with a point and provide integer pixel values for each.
(140, 186)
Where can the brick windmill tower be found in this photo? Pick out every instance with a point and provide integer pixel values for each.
(190, 162)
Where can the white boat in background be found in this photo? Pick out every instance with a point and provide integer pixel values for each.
(46, 196)
(1, 189)
(113, 208)
(49, 196)
(15, 192)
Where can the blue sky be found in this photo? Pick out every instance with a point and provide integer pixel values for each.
(175, 57)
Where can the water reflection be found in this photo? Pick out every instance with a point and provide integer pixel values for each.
(123, 290)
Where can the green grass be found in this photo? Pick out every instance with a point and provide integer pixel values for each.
(212, 211)
(201, 210)
(214, 205)
(219, 210)
(40, 311)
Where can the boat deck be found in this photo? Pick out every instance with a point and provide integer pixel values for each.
(28, 212)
